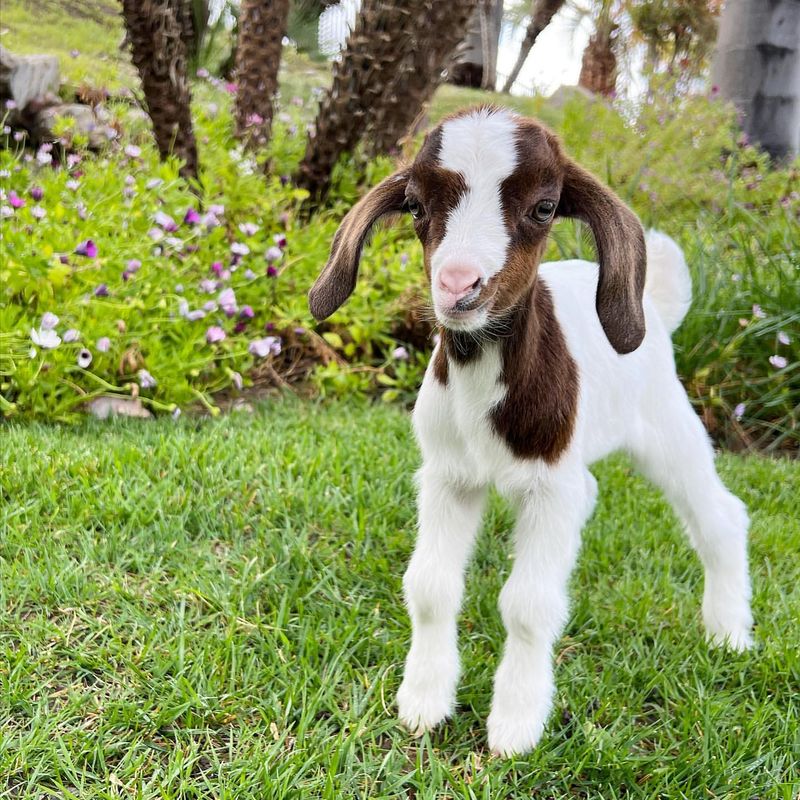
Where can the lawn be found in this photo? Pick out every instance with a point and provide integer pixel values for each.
(212, 609)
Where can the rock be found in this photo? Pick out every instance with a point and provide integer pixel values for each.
(564, 94)
(105, 407)
(87, 120)
(27, 78)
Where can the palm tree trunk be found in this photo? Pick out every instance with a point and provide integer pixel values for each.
(599, 63)
(440, 28)
(394, 59)
(542, 12)
(476, 66)
(757, 66)
(262, 25)
(158, 50)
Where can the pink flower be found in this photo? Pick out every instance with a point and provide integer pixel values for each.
(15, 200)
(146, 380)
(400, 354)
(269, 345)
(779, 362)
(103, 344)
(49, 321)
(132, 151)
(191, 217)
(248, 228)
(215, 334)
(254, 119)
(165, 221)
(247, 312)
(230, 87)
(202, 72)
(87, 248)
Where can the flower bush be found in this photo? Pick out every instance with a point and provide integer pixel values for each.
(119, 278)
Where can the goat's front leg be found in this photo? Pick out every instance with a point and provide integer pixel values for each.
(449, 517)
(534, 605)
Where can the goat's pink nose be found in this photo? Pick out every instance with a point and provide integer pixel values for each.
(458, 281)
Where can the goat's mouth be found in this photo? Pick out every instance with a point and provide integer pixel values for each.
(469, 314)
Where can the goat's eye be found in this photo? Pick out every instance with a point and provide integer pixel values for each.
(543, 210)
(414, 208)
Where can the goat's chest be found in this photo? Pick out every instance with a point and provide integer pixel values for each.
(454, 425)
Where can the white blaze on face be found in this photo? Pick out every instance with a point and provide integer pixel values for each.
(482, 148)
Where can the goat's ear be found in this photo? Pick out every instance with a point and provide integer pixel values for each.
(621, 251)
(337, 281)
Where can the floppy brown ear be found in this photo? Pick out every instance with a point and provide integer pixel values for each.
(337, 281)
(621, 250)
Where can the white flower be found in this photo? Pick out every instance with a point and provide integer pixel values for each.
(146, 380)
(71, 335)
(248, 228)
(239, 249)
(84, 358)
(44, 158)
(269, 345)
(46, 339)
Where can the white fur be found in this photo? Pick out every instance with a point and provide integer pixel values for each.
(633, 402)
(481, 147)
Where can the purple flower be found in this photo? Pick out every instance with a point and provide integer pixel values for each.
(72, 184)
(400, 354)
(240, 326)
(133, 265)
(280, 240)
(202, 72)
(300, 331)
(101, 291)
(274, 253)
(153, 183)
(73, 159)
(247, 312)
(71, 335)
(82, 211)
(758, 312)
(156, 234)
(210, 306)
(249, 274)
(37, 193)
(217, 209)
(74, 53)
(783, 338)
(165, 221)
(738, 412)
(84, 358)
(191, 217)
(227, 302)
(176, 414)
(239, 249)
(195, 315)
(15, 200)
(44, 157)
(271, 272)
(269, 345)
(49, 321)
(146, 380)
(6, 212)
(132, 151)
(210, 220)
(11, 104)
(208, 286)
(779, 362)
(254, 119)
(87, 248)
(215, 334)
(216, 268)
(38, 212)
(248, 228)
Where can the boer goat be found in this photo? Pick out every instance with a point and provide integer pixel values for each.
(541, 370)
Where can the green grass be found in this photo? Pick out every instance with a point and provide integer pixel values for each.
(92, 28)
(212, 609)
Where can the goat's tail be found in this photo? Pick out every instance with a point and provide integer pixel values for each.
(668, 282)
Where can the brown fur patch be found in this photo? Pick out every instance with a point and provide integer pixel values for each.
(537, 416)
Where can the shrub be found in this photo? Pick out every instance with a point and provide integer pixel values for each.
(200, 292)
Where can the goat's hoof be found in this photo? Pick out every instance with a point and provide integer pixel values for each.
(513, 734)
(421, 710)
(739, 640)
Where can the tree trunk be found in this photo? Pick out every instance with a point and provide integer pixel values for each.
(440, 29)
(159, 53)
(757, 66)
(262, 24)
(541, 13)
(393, 61)
(599, 63)
(476, 66)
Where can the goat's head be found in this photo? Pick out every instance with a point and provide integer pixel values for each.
(483, 192)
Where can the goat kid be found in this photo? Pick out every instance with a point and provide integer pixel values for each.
(539, 372)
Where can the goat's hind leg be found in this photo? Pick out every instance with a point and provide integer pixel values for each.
(675, 453)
